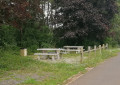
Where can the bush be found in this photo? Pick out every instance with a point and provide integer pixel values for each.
(7, 37)
(111, 42)
(31, 37)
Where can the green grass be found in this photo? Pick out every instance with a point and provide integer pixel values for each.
(30, 81)
(71, 55)
(47, 73)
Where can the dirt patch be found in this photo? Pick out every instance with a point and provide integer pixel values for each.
(89, 68)
(9, 82)
(17, 78)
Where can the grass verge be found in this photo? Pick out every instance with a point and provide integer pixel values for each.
(26, 71)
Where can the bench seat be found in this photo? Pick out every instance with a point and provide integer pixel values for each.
(47, 54)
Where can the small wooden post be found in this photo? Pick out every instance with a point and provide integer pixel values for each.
(58, 52)
(95, 49)
(100, 49)
(23, 52)
(89, 48)
(81, 59)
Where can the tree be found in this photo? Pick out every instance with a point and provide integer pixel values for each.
(28, 17)
(83, 20)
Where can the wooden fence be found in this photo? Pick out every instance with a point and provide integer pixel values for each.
(100, 48)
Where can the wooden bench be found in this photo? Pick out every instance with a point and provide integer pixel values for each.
(51, 52)
(48, 54)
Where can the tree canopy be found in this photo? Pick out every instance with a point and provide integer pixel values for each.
(84, 19)
(22, 23)
(25, 23)
(16, 12)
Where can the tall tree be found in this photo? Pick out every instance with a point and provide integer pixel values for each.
(81, 20)
(16, 11)
(19, 12)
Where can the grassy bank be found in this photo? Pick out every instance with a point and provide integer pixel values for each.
(27, 71)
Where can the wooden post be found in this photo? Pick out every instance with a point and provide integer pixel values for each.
(23, 52)
(100, 49)
(89, 48)
(95, 49)
(58, 52)
(81, 59)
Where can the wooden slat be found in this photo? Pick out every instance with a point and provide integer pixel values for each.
(72, 50)
(50, 49)
(46, 54)
(73, 46)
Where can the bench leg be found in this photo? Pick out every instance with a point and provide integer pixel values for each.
(53, 58)
(58, 57)
(61, 55)
(68, 50)
(38, 57)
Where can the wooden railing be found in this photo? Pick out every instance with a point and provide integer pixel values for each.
(89, 50)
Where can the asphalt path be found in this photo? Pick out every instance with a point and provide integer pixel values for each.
(107, 73)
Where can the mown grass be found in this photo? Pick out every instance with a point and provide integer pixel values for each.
(49, 73)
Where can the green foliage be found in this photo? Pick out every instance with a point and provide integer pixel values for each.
(25, 28)
(84, 20)
(7, 36)
(87, 43)
(12, 61)
(114, 38)
(32, 37)
(112, 42)
(30, 81)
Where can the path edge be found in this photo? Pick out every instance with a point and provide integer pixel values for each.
(76, 76)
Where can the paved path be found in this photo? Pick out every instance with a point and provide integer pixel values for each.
(107, 73)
